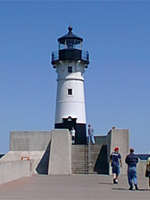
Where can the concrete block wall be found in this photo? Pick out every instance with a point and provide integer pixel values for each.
(101, 140)
(120, 138)
(12, 170)
(32, 144)
(50, 151)
(142, 180)
(29, 140)
(33, 156)
(35, 146)
(60, 153)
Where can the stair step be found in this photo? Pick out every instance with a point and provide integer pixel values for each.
(80, 158)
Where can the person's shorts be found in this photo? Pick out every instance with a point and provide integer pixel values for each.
(115, 169)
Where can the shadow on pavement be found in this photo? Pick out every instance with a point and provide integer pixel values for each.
(131, 190)
(120, 189)
(104, 183)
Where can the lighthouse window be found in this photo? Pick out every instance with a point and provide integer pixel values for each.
(69, 91)
(70, 69)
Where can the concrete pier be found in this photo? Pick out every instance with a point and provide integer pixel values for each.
(74, 187)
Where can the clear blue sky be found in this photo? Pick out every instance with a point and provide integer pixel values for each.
(117, 81)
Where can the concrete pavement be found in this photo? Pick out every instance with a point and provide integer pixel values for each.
(74, 187)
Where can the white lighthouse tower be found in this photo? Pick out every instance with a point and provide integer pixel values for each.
(70, 62)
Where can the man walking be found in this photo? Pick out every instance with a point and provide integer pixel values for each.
(116, 163)
(132, 160)
(91, 135)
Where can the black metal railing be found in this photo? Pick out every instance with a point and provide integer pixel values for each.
(70, 55)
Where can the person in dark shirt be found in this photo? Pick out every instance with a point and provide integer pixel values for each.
(115, 159)
(132, 160)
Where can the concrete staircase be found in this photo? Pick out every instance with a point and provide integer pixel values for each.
(79, 159)
(89, 159)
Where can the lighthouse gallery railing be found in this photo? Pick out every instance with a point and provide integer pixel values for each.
(83, 55)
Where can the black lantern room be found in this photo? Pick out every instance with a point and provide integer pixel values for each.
(70, 48)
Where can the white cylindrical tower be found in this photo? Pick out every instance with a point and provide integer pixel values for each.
(70, 62)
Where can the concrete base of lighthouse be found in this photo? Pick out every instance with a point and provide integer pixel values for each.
(80, 130)
(51, 152)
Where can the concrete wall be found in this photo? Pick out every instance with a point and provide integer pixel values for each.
(60, 153)
(50, 151)
(29, 140)
(40, 150)
(98, 159)
(47, 154)
(34, 156)
(120, 138)
(32, 144)
(101, 140)
(13, 170)
(142, 180)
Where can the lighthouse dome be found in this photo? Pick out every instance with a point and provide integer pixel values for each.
(70, 38)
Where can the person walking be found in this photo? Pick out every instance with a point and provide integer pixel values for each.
(91, 138)
(132, 160)
(147, 172)
(116, 163)
(73, 132)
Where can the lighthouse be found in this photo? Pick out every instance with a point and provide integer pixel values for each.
(70, 62)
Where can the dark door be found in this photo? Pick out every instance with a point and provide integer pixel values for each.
(69, 123)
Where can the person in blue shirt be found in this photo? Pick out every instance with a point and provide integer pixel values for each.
(91, 138)
(132, 160)
(116, 163)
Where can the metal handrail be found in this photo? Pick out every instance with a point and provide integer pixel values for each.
(84, 55)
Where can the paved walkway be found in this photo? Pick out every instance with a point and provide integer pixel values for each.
(76, 187)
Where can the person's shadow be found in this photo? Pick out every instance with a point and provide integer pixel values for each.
(123, 189)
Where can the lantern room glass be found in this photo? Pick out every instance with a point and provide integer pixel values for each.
(71, 44)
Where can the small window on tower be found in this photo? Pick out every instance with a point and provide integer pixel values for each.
(69, 91)
(70, 69)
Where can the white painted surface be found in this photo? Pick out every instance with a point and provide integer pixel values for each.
(70, 105)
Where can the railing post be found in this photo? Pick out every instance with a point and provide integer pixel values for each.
(89, 157)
